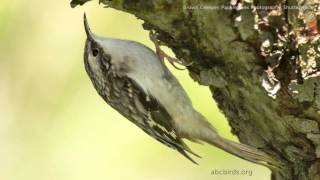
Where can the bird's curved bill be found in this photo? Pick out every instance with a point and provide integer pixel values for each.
(90, 35)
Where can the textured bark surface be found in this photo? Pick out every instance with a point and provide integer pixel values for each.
(234, 52)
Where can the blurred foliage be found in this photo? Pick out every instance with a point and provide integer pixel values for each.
(54, 126)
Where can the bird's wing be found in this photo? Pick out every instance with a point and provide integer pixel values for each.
(147, 113)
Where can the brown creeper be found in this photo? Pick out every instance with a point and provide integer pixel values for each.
(131, 78)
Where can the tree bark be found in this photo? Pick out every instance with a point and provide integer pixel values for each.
(262, 66)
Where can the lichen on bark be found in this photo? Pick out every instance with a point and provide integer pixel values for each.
(233, 51)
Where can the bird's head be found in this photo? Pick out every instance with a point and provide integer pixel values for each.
(98, 55)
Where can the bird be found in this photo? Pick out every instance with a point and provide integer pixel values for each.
(132, 79)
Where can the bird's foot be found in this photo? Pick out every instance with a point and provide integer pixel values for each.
(162, 55)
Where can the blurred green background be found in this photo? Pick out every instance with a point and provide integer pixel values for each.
(54, 126)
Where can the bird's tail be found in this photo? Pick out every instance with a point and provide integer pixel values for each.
(243, 151)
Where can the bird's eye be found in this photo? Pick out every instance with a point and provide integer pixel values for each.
(95, 52)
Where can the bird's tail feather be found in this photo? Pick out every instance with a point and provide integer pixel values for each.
(245, 152)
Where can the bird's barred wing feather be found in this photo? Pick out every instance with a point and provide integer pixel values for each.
(146, 112)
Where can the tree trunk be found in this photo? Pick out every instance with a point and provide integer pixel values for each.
(261, 63)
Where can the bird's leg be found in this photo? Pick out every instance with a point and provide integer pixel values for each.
(162, 55)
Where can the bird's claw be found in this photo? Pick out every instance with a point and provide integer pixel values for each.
(162, 55)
